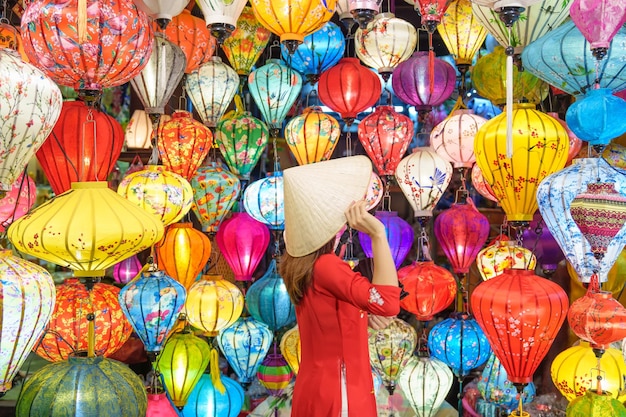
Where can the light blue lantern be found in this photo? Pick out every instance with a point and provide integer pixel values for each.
(563, 58)
(318, 52)
(264, 201)
(592, 117)
(151, 303)
(495, 387)
(460, 343)
(244, 345)
(268, 300)
(206, 401)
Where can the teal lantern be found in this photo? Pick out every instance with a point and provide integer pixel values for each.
(151, 303)
(268, 300)
(264, 201)
(244, 345)
(592, 116)
(83, 386)
(207, 401)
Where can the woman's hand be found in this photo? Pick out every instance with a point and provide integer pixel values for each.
(360, 219)
(378, 322)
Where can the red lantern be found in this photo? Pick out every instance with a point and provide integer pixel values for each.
(521, 313)
(192, 36)
(431, 289)
(349, 88)
(84, 146)
(243, 242)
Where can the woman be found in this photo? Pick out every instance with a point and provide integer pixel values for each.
(332, 301)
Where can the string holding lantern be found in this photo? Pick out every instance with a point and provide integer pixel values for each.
(221, 16)
(598, 21)
(246, 44)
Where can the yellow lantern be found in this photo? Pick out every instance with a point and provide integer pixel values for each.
(575, 371)
(88, 228)
(494, 259)
(291, 349)
(539, 148)
(462, 33)
(245, 45)
(312, 135)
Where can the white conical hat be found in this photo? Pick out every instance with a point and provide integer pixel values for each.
(316, 198)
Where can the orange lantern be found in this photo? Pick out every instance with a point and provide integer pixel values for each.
(312, 136)
(192, 36)
(10, 38)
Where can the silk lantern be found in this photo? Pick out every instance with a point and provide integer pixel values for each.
(215, 191)
(160, 406)
(539, 145)
(87, 45)
(183, 252)
(425, 382)
(274, 373)
(36, 104)
(290, 347)
(161, 11)
(538, 238)
(501, 255)
(221, 16)
(245, 45)
(82, 227)
(17, 201)
(263, 200)
(495, 387)
(192, 36)
(430, 287)
(127, 269)
(462, 33)
(152, 303)
(399, 235)
(453, 138)
(84, 145)
(70, 386)
(480, 185)
(391, 349)
(206, 400)
(242, 241)
(575, 144)
(595, 405)
(213, 304)
(312, 135)
(139, 130)
(268, 301)
(521, 314)
(598, 21)
(28, 293)
(589, 116)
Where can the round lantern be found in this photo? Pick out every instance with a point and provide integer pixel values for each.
(390, 350)
(501, 255)
(461, 32)
(215, 191)
(152, 303)
(211, 88)
(423, 176)
(425, 382)
(374, 192)
(87, 45)
(538, 147)
(246, 44)
(431, 289)
(538, 238)
(245, 344)
(399, 235)
(84, 145)
(139, 132)
(348, 88)
(104, 387)
(161, 11)
(453, 138)
(28, 293)
(183, 253)
(213, 304)
(268, 301)
(480, 185)
(385, 135)
(192, 36)
(81, 229)
(162, 193)
(575, 371)
(160, 406)
(35, 103)
(242, 241)
(589, 117)
(221, 16)
(521, 313)
(291, 348)
(263, 200)
(127, 269)
(599, 22)
(17, 201)
(495, 387)
(312, 135)
(181, 363)
(416, 84)
(274, 373)
(318, 52)
(206, 400)
(593, 404)
(385, 42)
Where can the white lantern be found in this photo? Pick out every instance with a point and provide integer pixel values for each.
(221, 16)
(425, 383)
(161, 11)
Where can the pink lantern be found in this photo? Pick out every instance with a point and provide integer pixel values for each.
(243, 242)
(598, 21)
(126, 270)
(160, 406)
(575, 144)
(453, 138)
(17, 201)
(479, 183)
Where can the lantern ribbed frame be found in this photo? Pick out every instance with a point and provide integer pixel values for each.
(598, 21)
(192, 36)
(206, 400)
(215, 191)
(274, 373)
(589, 117)
(495, 387)
(245, 45)
(312, 135)
(461, 32)
(432, 288)
(453, 138)
(425, 382)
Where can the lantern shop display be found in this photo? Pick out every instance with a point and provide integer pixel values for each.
(268, 301)
(264, 201)
(312, 136)
(244, 46)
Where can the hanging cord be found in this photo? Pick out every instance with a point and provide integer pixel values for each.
(509, 95)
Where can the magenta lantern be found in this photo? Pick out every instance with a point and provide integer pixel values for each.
(461, 231)
(17, 201)
(126, 270)
(399, 235)
(414, 83)
(160, 406)
(598, 21)
(243, 242)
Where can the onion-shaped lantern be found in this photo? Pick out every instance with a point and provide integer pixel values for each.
(390, 350)
(431, 289)
(84, 145)
(312, 135)
(399, 235)
(480, 185)
(274, 373)
(246, 44)
(593, 404)
(243, 241)
(17, 201)
(263, 200)
(162, 193)
(192, 36)
(589, 117)
(268, 301)
(495, 387)
(599, 22)
(501, 255)
(213, 304)
(87, 46)
(425, 382)
(291, 349)
(67, 331)
(206, 400)
(28, 293)
(151, 303)
(453, 138)
(221, 16)
(183, 144)
(126, 270)
(461, 32)
(215, 191)
(161, 11)
(103, 386)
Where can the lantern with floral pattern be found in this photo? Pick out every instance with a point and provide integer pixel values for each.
(17, 201)
(192, 36)
(246, 44)
(312, 135)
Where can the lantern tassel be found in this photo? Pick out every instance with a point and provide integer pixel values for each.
(215, 371)
(509, 104)
(81, 24)
(91, 336)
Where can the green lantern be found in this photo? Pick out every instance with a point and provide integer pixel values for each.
(82, 386)
(593, 404)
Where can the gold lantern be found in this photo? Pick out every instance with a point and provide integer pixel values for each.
(312, 136)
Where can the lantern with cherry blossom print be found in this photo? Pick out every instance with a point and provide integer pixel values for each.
(453, 138)
(246, 44)
(312, 135)
(399, 235)
(501, 255)
(17, 201)
(598, 21)
(462, 33)
(215, 191)
(430, 287)
(192, 36)
(480, 185)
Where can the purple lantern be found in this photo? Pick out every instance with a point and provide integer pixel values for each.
(414, 83)
(544, 246)
(126, 270)
(399, 235)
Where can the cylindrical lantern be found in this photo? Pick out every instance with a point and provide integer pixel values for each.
(264, 201)
(274, 373)
(213, 304)
(425, 383)
(206, 400)
(246, 44)
(17, 201)
(431, 289)
(291, 349)
(126, 270)
(192, 36)
(399, 235)
(453, 138)
(312, 135)
(496, 258)
(268, 301)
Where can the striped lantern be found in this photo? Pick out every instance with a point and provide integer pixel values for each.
(274, 373)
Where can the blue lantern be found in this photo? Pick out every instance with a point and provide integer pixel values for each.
(206, 401)
(320, 50)
(399, 235)
(264, 201)
(495, 387)
(151, 303)
(592, 116)
(244, 345)
(460, 343)
(268, 300)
